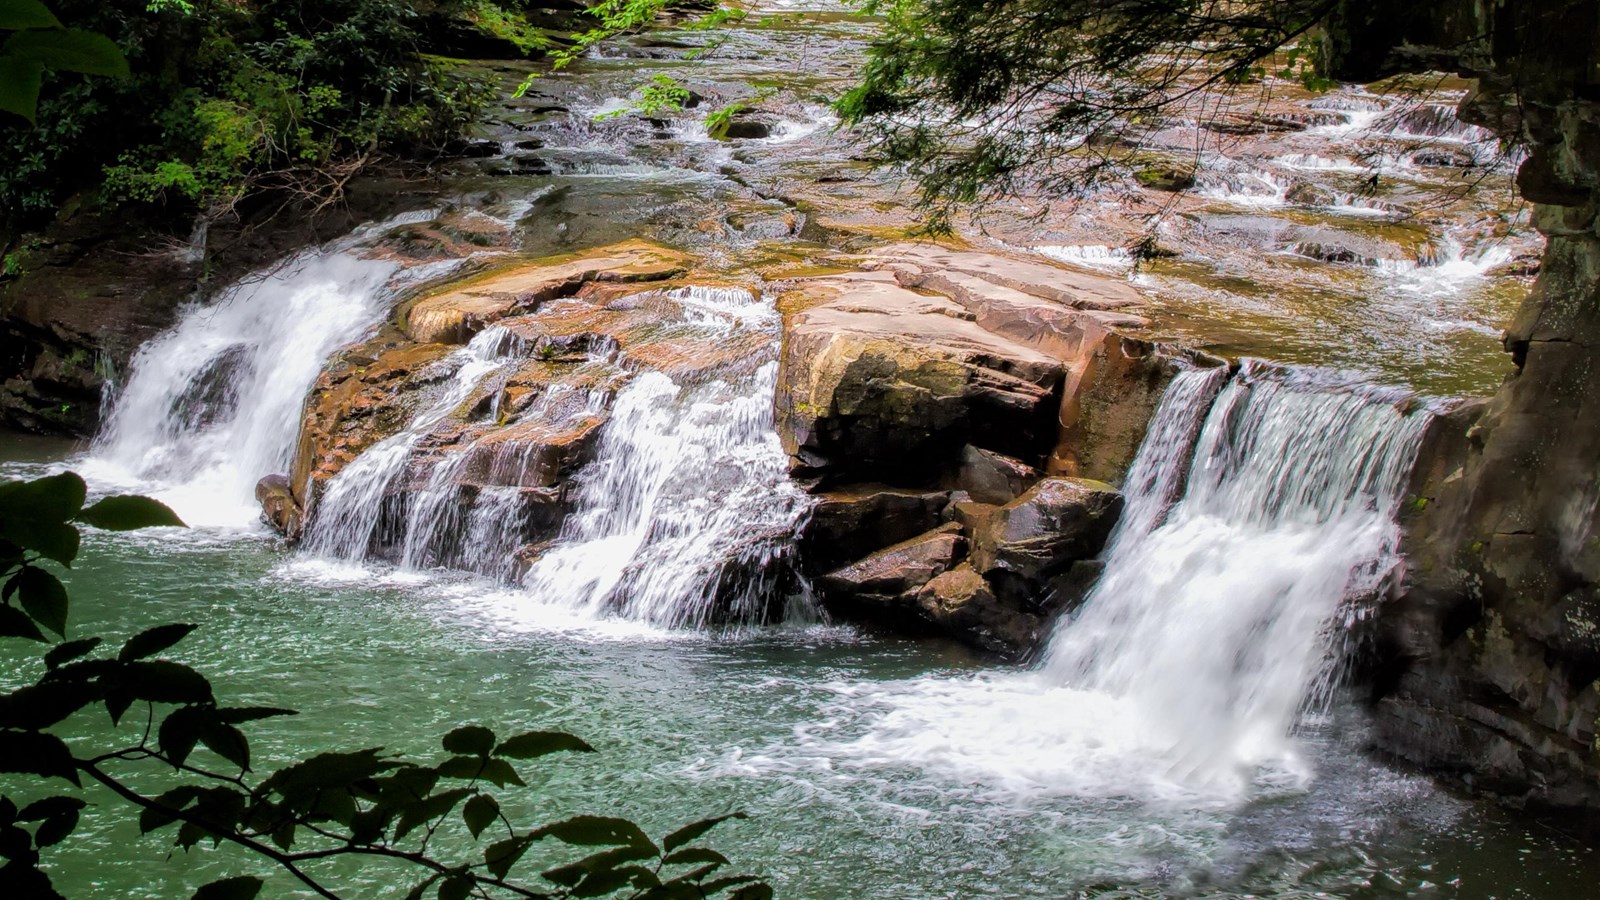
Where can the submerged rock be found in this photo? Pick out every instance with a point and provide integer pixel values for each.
(278, 506)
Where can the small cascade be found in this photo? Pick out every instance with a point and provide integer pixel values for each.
(1260, 522)
(347, 517)
(1218, 616)
(686, 513)
(213, 404)
(680, 514)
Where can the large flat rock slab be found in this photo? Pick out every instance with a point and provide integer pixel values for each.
(462, 309)
(879, 381)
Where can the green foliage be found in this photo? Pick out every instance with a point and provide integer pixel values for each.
(982, 99)
(661, 95)
(508, 26)
(366, 804)
(35, 42)
(718, 120)
(224, 99)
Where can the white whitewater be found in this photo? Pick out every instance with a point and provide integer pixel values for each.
(687, 505)
(1260, 520)
(1219, 618)
(346, 516)
(688, 496)
(683, 517)
(214, 404)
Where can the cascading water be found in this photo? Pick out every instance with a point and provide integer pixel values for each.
(689, 488)
(1214, 618)
(214, 404)
(349, 511)
(684, 515)
(1260, 519)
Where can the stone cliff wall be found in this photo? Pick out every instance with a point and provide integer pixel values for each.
(1489, 657)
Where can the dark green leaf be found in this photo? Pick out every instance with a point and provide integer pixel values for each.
(479, 813)
(608, 881)
(456, 887)
(596, 831)
(127, 513)
(474, 740)
(502, 855)
(43, 598)
(153, 641)
(240, 714)
(417, 892)
(239, 887)
(180, 731)
(39, 810)
(539, 743)
(160, 681)
(70, 50)
(52, 540)
(168, 804)
(69, 651)
(24, 880)
(55, 829)
(572, 873)
(225, 741)
(480, 768)
(753, 892)
(54, 498)
(721, 884)
(117, 703)
(690, 855)
(326, 770)
(38, 706)
(15, 623)
(20, 81)
(33, 753)
(695, 876)
(693, 830)
(190, 833)
(15, 15)
(424, 811)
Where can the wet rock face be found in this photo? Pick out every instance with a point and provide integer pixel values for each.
(532, 426)
(992, 577)
(965, 380)
(1056, 523)
(1488, 651)
(278, 506)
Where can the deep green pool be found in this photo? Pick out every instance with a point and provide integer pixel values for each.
(787, 724)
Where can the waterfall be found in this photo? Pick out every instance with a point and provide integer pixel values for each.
(214, 403)
(1260, 520)
(688, 499)
(347, 515)
(1219, 616)
(684, 515)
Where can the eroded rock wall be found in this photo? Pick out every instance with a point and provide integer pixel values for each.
(1489, 659)
(963, 417)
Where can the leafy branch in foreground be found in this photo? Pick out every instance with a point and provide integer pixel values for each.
(38, 42)
(365, 804)
(982, 99)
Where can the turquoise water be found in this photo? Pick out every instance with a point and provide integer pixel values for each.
(786, 724)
